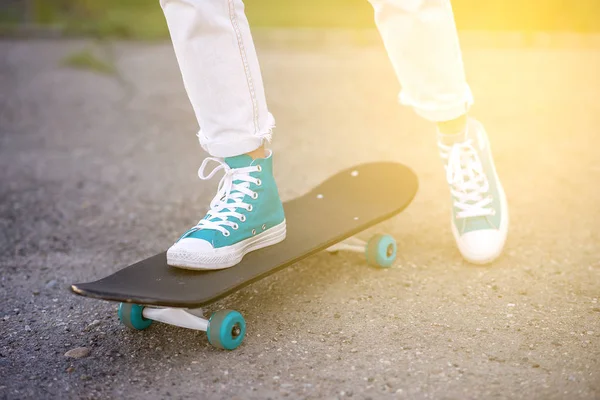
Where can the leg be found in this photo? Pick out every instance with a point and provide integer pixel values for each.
(221, 74)
(220, 70)
(421, 40)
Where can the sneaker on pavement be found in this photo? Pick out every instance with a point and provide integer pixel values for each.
(479, 207)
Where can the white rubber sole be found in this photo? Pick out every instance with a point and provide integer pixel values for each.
(224, 257)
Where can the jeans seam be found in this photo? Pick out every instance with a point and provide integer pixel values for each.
(242, 49)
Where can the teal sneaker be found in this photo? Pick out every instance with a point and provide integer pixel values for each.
(479, 206)
(245, 215)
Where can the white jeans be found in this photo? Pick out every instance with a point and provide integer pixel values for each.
(222, 77)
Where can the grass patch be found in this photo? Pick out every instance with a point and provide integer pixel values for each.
(143, 19)
(87, 60)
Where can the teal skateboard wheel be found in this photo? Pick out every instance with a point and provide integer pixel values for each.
(132, 317)
(226, 329)
(381, 250)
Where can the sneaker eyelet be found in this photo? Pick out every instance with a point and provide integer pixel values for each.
(243, 218)
(259, 168)
(249, 207)
(258, 182)
(264, 227)
(255, 195)
(236, 226)
(254, 231)
(226, 233)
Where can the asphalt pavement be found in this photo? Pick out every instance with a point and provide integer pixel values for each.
(98, 171)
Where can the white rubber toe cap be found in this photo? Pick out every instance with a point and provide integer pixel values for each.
(187, 250)
(483, 246)
(192, 245)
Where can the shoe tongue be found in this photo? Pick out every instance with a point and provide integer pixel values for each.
(476, 223)
(240, 161)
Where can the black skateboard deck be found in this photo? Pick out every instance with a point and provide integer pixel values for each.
(342, 206)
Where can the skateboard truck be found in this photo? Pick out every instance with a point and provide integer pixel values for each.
(225, 328)
(351, 244)
(380, 250)
(176, 316)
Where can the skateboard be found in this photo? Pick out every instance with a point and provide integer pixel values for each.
(326, 218)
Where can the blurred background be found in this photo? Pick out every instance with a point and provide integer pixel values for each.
(143, 19)
(98, 169)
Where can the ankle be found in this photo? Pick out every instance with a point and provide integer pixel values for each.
(258, 153)
(453, 127)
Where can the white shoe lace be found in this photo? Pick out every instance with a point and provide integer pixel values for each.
(221, 208)
(468, 183)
